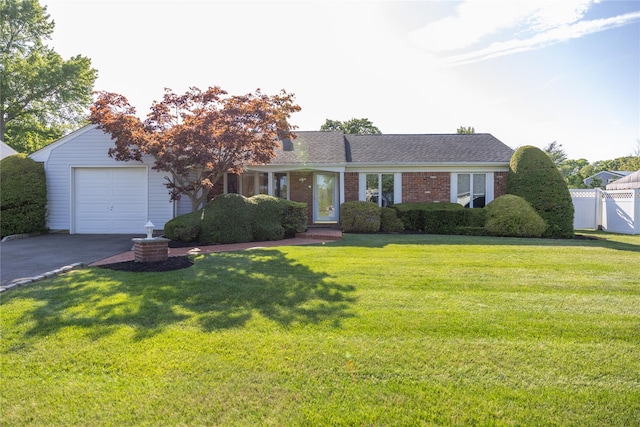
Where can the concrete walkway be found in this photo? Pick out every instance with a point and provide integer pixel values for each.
(129, 255)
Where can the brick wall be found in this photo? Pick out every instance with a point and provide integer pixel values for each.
(302, 191)
(151, 250)
(350, 186)
(426, 187)
(499, 184)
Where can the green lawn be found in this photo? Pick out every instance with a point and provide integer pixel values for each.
(372, 330)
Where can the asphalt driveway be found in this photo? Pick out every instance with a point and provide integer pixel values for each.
(36, 255)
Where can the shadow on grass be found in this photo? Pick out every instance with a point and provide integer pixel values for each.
(583, 239)
(224, 290)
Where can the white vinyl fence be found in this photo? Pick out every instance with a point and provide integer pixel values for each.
(617, 211)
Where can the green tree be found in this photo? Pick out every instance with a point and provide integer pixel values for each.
(23, 195)
(42, 96)
(596, 183)
(556, 153)
(571, 172)
(354, 126)
(466, 130)
(533, 176)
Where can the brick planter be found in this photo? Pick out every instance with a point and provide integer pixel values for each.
(151, 250)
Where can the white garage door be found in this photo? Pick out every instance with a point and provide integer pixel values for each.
(110, 200)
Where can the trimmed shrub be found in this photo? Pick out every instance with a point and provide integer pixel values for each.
(185, 228)
(413, 214)
(226, 219)
(359, 217)
(533, 176)
(294, 219)
(23, 196)
(235, 219)
(266, 217)
(389, 221)
(475, 217)
(448, 221)
(513, 216)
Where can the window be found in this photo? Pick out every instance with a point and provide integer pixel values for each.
(380, 188)
(232, 183)
(248, 184)
(280, 188)
(472, 190)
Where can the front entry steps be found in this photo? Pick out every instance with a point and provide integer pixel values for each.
(321, 233)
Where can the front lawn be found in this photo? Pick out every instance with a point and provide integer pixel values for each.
(372, 330)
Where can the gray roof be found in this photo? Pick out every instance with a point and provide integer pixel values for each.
(337, 148)
(447, 148)
(312, 147)
(632, 180)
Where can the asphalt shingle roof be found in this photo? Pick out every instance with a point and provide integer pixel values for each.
(337, 148)
(454, 148)
(312, 147)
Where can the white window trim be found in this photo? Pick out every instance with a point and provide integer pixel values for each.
(489, 193)
(397, 185)
(272, 181)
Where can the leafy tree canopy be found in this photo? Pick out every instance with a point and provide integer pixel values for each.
(466, 130)
(354, 126)
(42, 96)
(575, 172)
(197, 136)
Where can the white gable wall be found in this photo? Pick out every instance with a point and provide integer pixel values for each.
(87, 148)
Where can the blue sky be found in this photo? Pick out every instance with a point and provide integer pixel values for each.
(528, 72)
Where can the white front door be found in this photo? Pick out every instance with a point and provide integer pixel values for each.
(109, 200)
(325, 197)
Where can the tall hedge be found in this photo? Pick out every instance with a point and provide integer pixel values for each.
(533, 176)
(23, 196)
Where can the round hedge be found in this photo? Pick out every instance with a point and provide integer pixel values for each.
(226, 219)
(513, 216)
(23, 195)
(267, 212)
(359, 217)
(533, 176)
(389, 221)
(231, 218)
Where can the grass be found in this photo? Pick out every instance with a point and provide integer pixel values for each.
(372, 330)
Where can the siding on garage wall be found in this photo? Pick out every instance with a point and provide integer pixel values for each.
(89, 149)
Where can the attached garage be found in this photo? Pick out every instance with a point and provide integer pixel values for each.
(88, 192)
(109, 200)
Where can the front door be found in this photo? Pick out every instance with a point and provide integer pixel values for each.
(325, 198)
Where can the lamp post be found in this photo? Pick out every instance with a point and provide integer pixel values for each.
(149, 227)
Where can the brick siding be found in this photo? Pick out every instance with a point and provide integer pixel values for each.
(499, 184)
(302, 191)
(426, 187)
(350, 186)
(151, 250)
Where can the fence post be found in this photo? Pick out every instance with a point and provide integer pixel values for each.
(636, 207)
(599, 203)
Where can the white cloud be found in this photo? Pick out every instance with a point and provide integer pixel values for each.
(498, 28)
(552, 36)
(473, 21)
